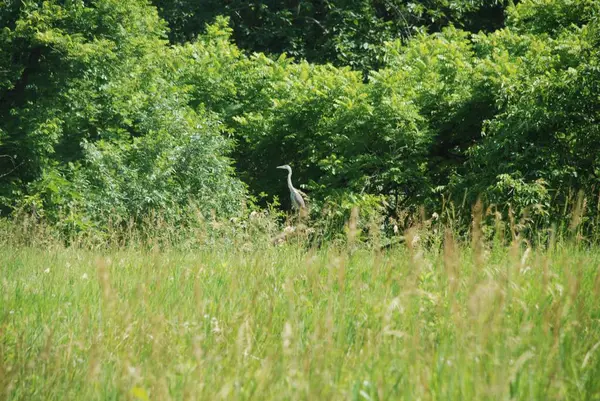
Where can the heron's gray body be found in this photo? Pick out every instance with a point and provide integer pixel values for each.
(297, 200)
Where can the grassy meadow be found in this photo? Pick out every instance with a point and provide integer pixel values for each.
(452, 322)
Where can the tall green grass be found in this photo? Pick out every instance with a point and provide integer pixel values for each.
(421, 320)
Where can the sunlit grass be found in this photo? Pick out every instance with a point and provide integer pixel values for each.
(287, 323)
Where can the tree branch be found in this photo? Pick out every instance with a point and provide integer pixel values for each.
(12, 160)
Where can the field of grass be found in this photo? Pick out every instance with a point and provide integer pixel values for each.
(286, 323)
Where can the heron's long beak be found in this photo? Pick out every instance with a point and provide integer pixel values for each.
(281, 167)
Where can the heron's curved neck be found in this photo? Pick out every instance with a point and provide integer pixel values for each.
(290, 179)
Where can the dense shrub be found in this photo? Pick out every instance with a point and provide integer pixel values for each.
(541, 146)
(95, 121)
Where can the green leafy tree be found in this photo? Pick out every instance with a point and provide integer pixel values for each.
(341, 32)
(542, 144)
(94, 116)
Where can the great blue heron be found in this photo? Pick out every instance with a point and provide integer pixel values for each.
(295, 195)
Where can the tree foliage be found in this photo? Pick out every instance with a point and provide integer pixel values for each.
(95, 121)
(341, 32)
(543, 141)
(102, 117)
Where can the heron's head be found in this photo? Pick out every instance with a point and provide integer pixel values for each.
(285, 167)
